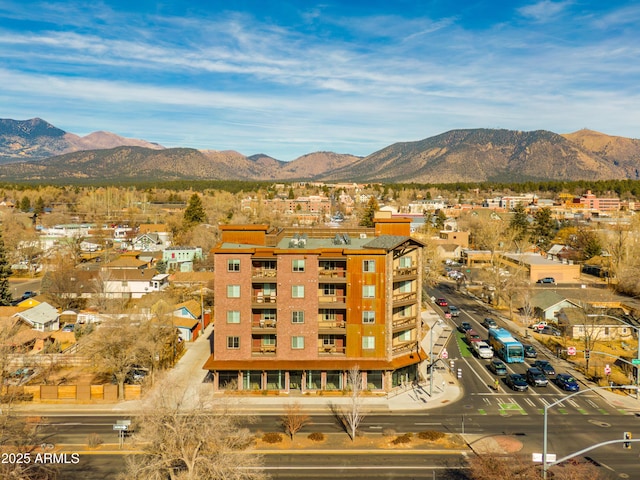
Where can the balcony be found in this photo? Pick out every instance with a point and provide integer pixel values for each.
(331, 327)
(260, 299)
(331, 350)
(327, 274)
(404, 298)
(404, 347)
(264, 325)
(266, 350)
(336, 301)
(405, 272)
(262, 273)
(404, 323)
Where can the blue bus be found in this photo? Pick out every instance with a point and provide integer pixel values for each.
(505, 346)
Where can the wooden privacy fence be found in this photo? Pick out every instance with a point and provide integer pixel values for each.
(72, 393)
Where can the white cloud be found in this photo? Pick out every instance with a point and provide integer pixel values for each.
(545, 11)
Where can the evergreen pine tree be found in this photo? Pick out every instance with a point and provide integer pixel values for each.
(195, 211)
(5, 272)
(369, 212)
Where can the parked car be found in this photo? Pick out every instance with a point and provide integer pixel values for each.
(464, 327)
(538, 325)
(516, 382)
(28, 294)
(549, 330)
(489, 323)
(536, 378)
(567, 382)
(547, 280)
(498, 367)
(441, 302)
(472, 336)
(530, 351)
(69, 327)
(483, 349)
(545, 366)
(454, 311)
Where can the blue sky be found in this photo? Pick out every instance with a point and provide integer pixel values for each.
(287, 78)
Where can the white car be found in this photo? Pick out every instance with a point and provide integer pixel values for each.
(483, 349)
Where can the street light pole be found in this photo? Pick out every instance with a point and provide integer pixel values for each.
(431, 360)
(546, 409)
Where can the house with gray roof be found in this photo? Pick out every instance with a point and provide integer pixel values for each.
(547, 303)
(43, 317)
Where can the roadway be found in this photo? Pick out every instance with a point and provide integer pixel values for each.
(573, 425)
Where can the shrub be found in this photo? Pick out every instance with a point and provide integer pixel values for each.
(316, 436)
(272, 437)
(389, 432)
(431, 435)
(94, 440)
(406, 438)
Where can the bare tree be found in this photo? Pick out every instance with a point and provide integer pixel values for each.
(187, 436)
(353, 414)
(115, 347)
(294, 419)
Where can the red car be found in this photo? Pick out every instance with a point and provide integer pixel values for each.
(441, 302)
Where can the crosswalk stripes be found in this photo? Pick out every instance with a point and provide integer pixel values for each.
(525, 405)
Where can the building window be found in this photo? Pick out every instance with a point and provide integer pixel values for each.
(368, 343)
(369, 266)
(368, 291)
(298, 265)
(233, 316)
(297, 343)
(297, 316)
(297, 291)
(269, 340)
(329, 316)
(405, 287)
(404, 336)
(233, 343)
(233, 265)
(368, 316)
(405, 262)
(329, 290)
(233, 291)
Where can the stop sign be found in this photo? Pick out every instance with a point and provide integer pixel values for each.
(571, 350)
(444, 354)
(607, 370)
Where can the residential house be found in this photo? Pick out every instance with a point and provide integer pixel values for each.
(148, 242)
(133, 283)
(43, 317)
(547, 304)
(188, 319)
(297, 308)
(576, 323)
(181, 258)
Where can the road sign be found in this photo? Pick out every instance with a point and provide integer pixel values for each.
(607, 370)
(444, 354)
(121, 427)
(537, 457)
(571, 350)
(635, 361)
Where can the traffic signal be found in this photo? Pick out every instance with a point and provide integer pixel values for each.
(586, 354)
(626, 436)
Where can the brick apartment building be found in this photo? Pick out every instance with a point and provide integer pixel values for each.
(295, 309)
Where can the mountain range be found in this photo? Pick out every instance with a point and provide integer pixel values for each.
(34, 150)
